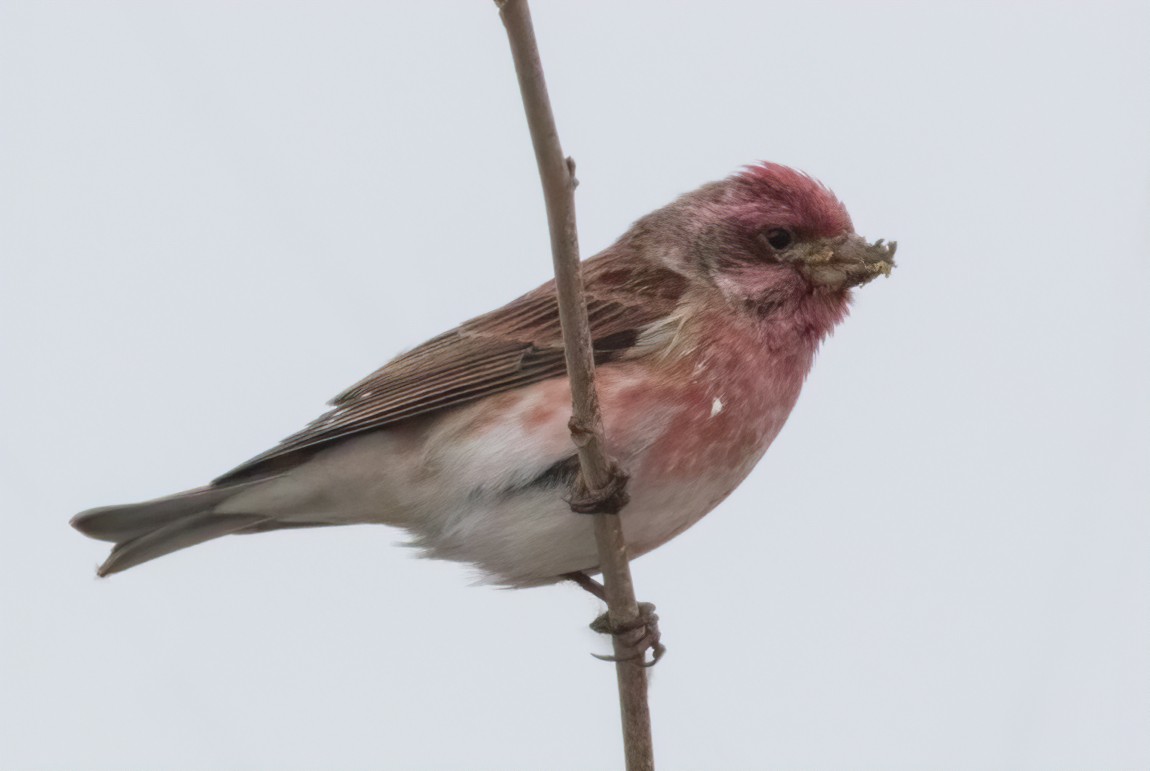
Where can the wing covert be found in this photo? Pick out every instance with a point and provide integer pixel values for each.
(511, 347)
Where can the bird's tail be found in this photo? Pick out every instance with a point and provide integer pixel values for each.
(144, 531)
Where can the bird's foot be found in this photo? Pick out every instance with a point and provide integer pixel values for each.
(633, 638)
(637, 636)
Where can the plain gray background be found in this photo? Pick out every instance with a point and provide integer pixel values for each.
(215, 215)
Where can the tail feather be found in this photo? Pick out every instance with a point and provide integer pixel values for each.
(127, 521)
(180, 534)
(144, 531)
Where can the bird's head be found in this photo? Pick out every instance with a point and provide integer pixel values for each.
(770, 232)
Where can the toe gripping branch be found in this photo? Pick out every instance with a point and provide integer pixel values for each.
(636, 637)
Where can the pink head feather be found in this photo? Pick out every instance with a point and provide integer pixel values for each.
(780, 196)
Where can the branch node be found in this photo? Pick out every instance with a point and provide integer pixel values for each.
(609, 499)
(571, 172)
(581, 433)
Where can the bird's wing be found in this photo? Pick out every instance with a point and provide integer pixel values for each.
(514, 346)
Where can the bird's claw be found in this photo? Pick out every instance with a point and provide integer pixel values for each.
(634, 637)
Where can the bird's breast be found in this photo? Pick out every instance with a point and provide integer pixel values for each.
(718, 405)
(689, 431)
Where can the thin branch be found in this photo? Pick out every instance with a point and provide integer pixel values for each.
(603, 483)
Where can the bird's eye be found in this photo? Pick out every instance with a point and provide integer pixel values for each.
(778, 238)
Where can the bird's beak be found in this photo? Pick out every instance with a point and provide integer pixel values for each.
(846, 261)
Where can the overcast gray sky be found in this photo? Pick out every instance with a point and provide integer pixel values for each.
(214, 216)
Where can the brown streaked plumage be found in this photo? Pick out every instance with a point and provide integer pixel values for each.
(511, 347)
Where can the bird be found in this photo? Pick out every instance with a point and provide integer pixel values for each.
(705, 315)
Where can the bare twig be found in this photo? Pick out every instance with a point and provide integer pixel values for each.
(603, 482)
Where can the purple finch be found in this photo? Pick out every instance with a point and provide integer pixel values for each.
(705, 316)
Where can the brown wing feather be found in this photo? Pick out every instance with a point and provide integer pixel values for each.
(514, 346)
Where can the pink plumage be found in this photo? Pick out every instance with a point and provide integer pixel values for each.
(706, 317)
(792, 197)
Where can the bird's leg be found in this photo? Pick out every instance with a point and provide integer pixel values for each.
(637, 636)
(587, 584)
